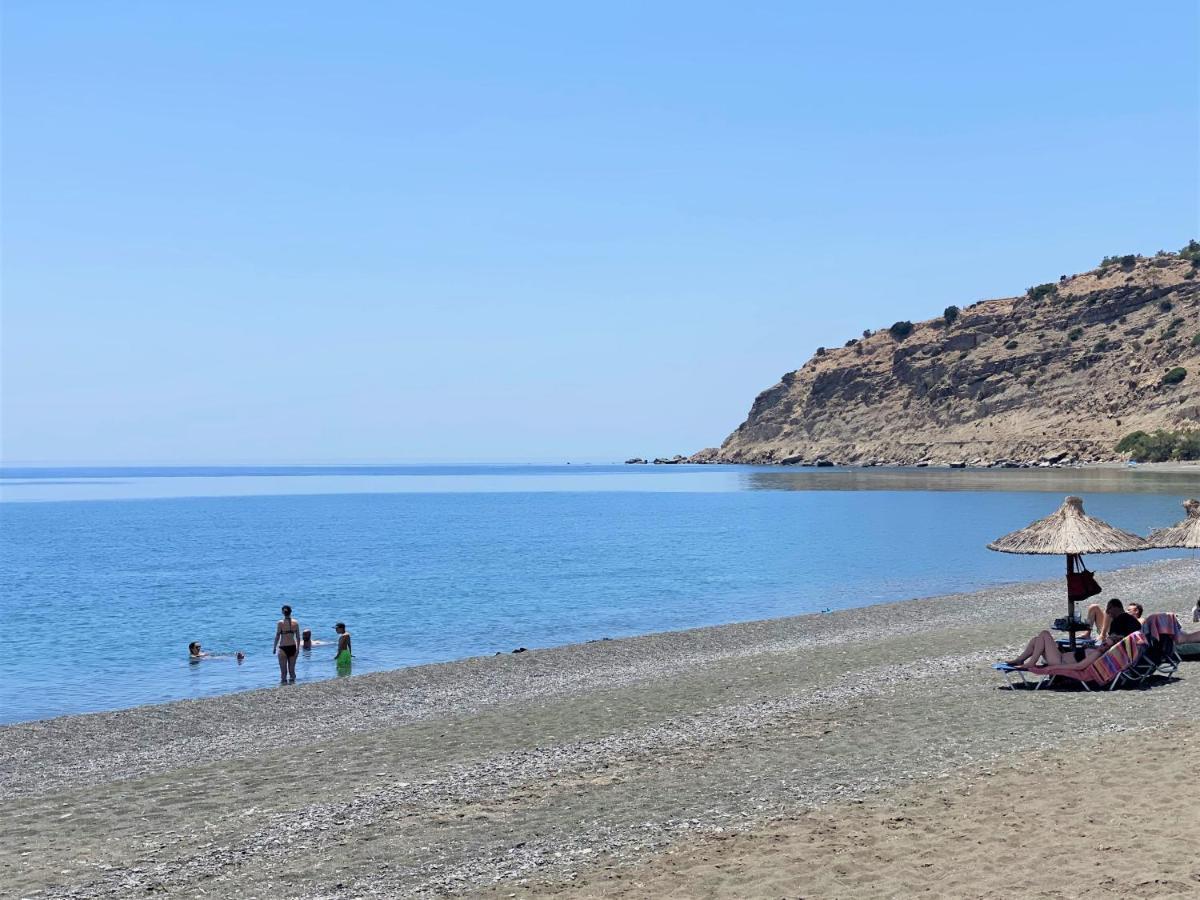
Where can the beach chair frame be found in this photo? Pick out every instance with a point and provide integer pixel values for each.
(1012, 675)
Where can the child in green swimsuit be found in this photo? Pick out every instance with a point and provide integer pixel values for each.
(343, 649)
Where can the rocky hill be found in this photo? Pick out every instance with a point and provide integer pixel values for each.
(1060, 373)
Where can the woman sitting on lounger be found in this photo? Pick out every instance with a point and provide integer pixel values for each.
(1101, 620)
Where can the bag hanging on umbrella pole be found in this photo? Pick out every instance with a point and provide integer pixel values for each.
(1081, 583)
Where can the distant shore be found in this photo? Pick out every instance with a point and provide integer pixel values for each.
(1170, 466)
(537, 771)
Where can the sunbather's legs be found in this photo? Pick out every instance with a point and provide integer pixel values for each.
(1097, 619)
(1042, 647)
(1028, 653)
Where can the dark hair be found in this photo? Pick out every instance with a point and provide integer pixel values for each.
(340, 625)
(193, 644)
(1117, 603)
(287, 610)
(306, 631)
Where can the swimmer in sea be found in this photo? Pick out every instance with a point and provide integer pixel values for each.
(195, 652)
(286, 645)
(307, 642)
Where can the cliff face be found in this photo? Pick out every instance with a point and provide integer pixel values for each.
(1064, 371)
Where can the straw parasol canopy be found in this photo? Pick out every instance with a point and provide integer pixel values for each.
(1184, 534)
(1070, 532)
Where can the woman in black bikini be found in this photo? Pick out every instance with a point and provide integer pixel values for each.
(287, 645)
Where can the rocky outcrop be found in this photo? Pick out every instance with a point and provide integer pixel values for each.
(1057, 375)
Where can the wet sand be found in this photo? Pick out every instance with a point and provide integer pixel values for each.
(615, 768)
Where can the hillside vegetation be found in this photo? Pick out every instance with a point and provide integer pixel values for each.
(1064, 372)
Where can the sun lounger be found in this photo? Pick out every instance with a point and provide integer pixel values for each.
(1113, 669)
(1162, 653)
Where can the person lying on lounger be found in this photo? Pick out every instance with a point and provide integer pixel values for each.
(1043, 649)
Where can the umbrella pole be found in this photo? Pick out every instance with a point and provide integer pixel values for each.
(1070, 604)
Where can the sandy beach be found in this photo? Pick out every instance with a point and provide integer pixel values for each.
(863, 753)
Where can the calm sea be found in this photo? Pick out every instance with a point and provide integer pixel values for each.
(107, 574)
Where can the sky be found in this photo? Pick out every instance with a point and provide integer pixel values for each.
(368, 232)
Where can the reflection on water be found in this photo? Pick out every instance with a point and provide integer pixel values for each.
(1067, 481)
(28, 485)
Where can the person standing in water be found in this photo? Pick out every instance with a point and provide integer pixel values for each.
(287, 645)
(343, 648)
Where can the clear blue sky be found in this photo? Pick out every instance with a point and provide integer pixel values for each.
(381, 231)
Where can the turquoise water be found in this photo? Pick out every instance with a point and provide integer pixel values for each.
(108, 574)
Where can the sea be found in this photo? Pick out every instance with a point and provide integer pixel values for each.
(107, 574)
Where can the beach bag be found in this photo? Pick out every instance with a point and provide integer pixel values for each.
(1081, 584)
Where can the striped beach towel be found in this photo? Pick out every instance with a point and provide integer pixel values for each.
(1158, 624)
(1119, 657)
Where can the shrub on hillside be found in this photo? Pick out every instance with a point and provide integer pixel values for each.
(1131, 440)
(1191, 251)
(1165, 305)
(950, 314)
(1074, 334)
(1038, 291)
(1187, 445)
(1010, 345)
(901, 330)
(1175, 376)
(1161, 445)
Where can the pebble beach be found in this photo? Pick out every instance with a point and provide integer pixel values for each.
(822, 755)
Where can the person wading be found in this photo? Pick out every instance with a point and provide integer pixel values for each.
(287, 646)
(342, 659)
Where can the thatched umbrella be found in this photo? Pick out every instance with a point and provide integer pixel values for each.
(1070, 532)
(1184, 534)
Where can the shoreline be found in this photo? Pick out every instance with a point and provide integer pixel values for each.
(530, 772)
(797, 620)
